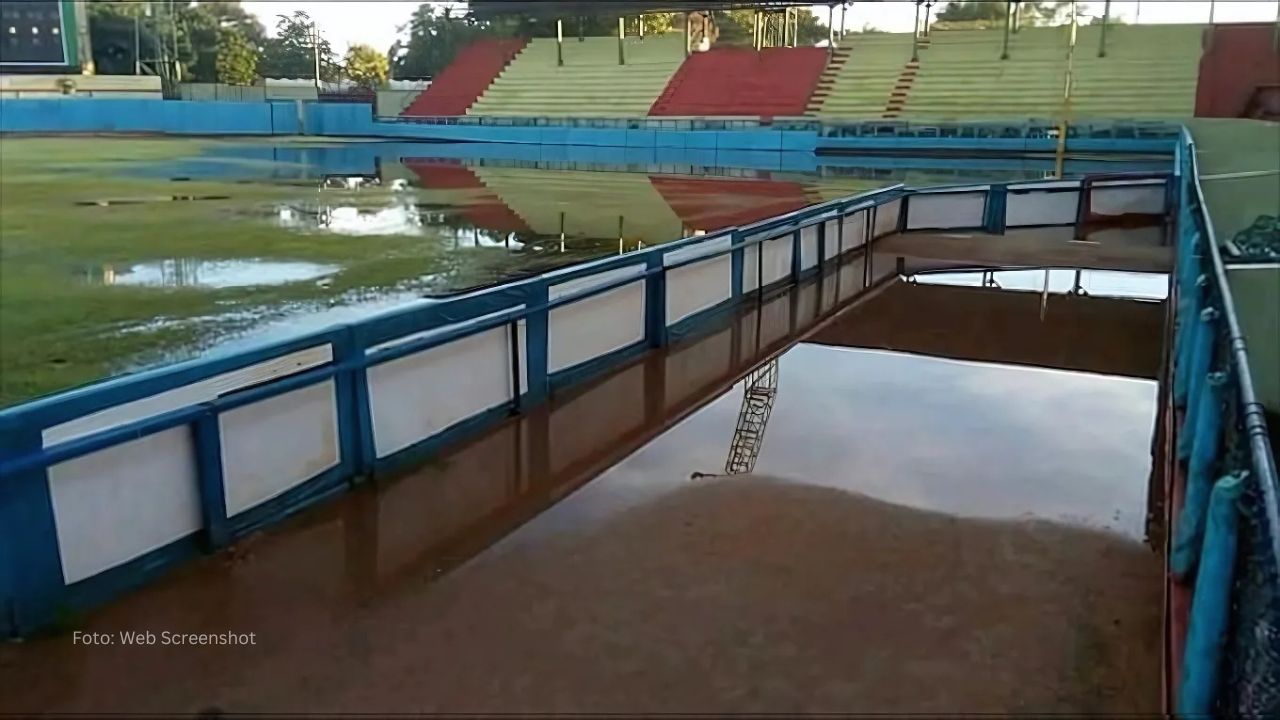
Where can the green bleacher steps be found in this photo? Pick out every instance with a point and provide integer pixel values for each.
(591, 83)
(863, 85)
(592, 202)
(962, 77)
(1150, 71)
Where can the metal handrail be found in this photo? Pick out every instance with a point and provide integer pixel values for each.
(1252, 410)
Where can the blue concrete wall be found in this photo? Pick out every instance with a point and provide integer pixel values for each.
(178, 117)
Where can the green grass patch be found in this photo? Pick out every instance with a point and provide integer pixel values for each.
(61, 325)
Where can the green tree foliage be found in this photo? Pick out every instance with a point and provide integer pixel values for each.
(436, 37)
(986, 12)
(203, 24)
(237, 62)
(289, 53)
(111, 35)
(737, 27)
(367, 67)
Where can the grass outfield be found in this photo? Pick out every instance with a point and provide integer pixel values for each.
(59, 329)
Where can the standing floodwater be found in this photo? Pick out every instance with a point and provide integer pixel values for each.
(935, 520)
(124, 254)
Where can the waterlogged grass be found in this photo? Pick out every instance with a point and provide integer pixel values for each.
(61, 325)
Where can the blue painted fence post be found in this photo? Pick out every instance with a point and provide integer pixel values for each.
(355, 420)
(209, 476)
(1207, 435)
(797, 249)
(737, 264)
(30, 562)
(655, 293)
(1211, 602)
(1188, 321)
(1202, 350)
(537, 336)
(993, 214)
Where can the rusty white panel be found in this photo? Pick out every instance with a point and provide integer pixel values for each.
(831, 247)
(946, 210)
(698, 286)
(809, 247)
(595, 326)
(1041, 208)
(855, 231)
(886, 218)
(1142, 199)
(415, 397)
(278, 443)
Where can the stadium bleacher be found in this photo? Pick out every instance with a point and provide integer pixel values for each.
(591, 83)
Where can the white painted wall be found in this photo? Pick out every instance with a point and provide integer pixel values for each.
(276, 444)
(701, 285)
(1040, 208)
(595, 326)
(946, 210)
(116, 504)
(415, 397)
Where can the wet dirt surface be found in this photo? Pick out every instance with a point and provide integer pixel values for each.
(924, 535)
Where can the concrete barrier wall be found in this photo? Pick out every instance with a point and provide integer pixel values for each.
(281, 117)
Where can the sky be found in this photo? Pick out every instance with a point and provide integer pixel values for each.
(375, 22)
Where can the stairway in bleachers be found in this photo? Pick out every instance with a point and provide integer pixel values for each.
(460, 84)
(861, 87)
(906, 79)
(591, 83)
(827, 79)
(774, 82)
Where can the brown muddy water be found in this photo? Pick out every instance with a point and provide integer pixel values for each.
(932, 526)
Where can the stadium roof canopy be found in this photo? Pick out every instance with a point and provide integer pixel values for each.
(571, 8)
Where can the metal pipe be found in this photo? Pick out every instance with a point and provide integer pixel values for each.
(688, 32)
(315, 51)
(560, 41)
(1255, 424)
(915, 34)
(137, 45)
(1060, 160)
(831, 29)
(622, 32)
(844, 16)
(1008, 21)
(928, 7)
(1106, 15)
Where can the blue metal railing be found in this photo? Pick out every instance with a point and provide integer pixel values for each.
(1227, 534)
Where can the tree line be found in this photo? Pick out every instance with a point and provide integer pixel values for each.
(220, 42)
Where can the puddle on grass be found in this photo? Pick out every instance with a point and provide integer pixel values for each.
(212, 274)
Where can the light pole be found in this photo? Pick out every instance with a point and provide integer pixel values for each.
(315, 51)
(1106, 15)
(1008, 20)
(915, 34)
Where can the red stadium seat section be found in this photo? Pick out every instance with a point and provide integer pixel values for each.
(709, 204)
(741, 81)
(460, 84)
(483, 208)
(1239, 59)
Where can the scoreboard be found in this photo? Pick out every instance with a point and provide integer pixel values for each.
(37, 35)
